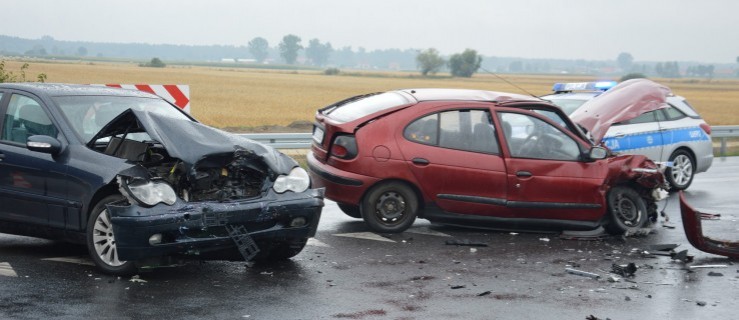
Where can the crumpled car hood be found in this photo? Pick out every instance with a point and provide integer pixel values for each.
(626, 101)
(192, 141)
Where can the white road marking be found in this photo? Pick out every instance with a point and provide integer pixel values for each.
(427, 231)
(76, 260)
(364, 235)
(316, 243)
(7, 270)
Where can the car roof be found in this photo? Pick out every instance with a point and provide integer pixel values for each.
(436, 94)
(62, 89)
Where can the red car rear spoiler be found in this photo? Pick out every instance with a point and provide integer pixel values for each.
(694, 232)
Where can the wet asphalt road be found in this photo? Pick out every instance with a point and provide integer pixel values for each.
(414, 275)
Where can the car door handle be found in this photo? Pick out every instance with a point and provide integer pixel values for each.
(420, 161)
(523, 174)
(2, 156)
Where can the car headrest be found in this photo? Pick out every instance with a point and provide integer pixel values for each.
(33, 113)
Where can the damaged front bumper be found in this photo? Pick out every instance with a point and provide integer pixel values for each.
(694, 233)
(215, 230)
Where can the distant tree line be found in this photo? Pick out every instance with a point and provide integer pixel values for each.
(292, 50)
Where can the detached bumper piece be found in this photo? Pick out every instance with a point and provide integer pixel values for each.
(694, 232)
(247, 247)
(211, 230)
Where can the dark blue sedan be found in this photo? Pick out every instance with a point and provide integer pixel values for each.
(142, 183)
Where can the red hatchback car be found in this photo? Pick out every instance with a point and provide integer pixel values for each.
(477, 158)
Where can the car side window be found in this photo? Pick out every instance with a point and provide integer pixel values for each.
(530, 137)
(468, 130)
(644, 118)
(24, 118)
(673, 113)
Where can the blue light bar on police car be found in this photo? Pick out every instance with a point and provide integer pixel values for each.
(572, 86)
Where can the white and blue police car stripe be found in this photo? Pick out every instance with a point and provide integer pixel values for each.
(643, 140)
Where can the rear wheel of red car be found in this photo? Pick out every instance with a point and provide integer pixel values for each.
(627, 211)
(680, 175)
(101, 242)
(350, 210)
(390, 207)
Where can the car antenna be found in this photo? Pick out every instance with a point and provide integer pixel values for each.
(511, 83)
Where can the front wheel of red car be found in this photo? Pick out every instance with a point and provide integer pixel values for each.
(390, 207)
(101, 241)
(627, 211)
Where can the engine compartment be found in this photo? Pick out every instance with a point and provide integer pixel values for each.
(217, 177)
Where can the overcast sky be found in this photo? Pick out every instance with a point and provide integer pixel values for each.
(651, 30)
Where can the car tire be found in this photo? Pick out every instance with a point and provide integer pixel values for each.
(281, 251)
(350, 210)
(680, 175)
(390, 207)
(101, 242)
(627, 211)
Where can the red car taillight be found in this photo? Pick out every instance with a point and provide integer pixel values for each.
(344, 147)
(706, 128)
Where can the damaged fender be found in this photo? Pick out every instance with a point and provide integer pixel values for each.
(694, 233)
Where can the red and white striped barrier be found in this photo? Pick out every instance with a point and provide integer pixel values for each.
(177, 94)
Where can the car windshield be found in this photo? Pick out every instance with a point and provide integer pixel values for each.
(88, 114)
(363, 107)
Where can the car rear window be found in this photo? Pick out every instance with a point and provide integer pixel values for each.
(684, 106)
(355, 109)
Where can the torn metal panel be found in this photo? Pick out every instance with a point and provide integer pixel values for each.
(694, 232)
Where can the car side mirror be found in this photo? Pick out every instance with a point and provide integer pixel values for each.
(597, 153)
(45, 144)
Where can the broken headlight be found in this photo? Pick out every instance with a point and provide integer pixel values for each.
(148, 193)
(296, 181)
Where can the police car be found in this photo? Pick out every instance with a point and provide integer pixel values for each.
(676, 134)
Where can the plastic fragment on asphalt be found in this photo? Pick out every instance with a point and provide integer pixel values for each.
(473, 250)
(662, 247)
(465, 242)
(582, 273)
(484, 293)
(626, 270)
(701, 303)
(544, 239)
(708, 266)
(640, 232)
(138, 279)
(458, 287)
(715, 274)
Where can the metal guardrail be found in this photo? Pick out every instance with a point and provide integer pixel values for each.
(724, 132)
(303, 140)
(282, 140)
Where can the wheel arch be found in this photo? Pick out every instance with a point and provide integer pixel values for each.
(107, 190)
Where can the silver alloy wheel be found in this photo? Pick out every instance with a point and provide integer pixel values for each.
(682, 169)
(102, 237)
